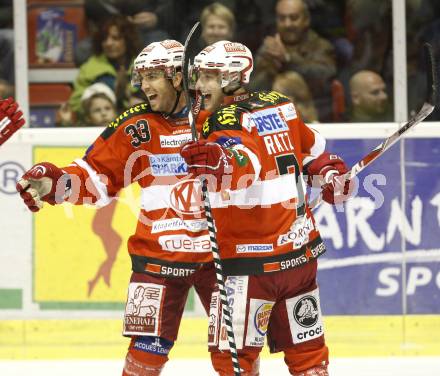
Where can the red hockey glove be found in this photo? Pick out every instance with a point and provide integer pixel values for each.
(328, 168)
(205, 158)
(43, 182)
(10, 119)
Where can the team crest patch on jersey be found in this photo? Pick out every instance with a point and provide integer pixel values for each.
(143, 310)
(186, 197)
(305, 317)
(258, 321)
(167, 165)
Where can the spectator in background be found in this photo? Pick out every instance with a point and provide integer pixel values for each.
(151, 17)
(293, 85)
(256, 19)
(297, 48)
(370, 31)
(369, 99)
(6, 42)
(6, 89)
(115, 46)
(218, 23)
(136, 97)
(99, 105)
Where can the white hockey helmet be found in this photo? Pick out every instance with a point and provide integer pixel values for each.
(233, 60)
(165, 55)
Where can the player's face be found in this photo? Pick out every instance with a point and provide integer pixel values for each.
(160, 94)
(216, 29)
(101, 112)
(209, 84)
(113, 45)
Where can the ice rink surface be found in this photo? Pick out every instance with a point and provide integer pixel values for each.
(407, 366)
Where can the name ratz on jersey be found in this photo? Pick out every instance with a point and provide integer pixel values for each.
(263, 221)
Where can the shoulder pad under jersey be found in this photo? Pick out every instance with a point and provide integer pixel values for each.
(225, 118)
(260, 99)
(142, 108)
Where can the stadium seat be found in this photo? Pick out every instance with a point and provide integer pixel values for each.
(338, 100)
(45, 99)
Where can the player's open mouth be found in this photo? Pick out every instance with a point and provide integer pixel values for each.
(151, 97)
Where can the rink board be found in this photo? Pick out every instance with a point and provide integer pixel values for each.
(354, 336)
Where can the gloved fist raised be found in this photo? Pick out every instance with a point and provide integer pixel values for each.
(10, 119)
(327, 170)
(43, 182)
(205, 158)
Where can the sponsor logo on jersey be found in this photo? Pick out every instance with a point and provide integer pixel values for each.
(272, 96)
(227, 116)
(298, 233)
(173, 224)
(155, 345)
(253, 248)
(126, 114)
(268, 121)
(258, 321)
(261, 318)
(306, 312)
(304, 315)
(167, 165)
(214, 316)
(174, 141)
(143, 309)
(186, 197)
(185, 243)
(227, 142)
(288, 111)
(168, 270)
(236, 288)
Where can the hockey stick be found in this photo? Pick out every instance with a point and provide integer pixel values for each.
(189, 45)
(424, 112)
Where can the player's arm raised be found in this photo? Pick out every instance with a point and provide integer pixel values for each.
(94, 179)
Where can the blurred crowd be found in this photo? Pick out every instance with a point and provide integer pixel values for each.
(333, 58)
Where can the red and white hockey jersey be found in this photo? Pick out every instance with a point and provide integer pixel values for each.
(142, 146)
(261, 215)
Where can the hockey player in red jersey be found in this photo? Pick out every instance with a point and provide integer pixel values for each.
(260, 149)
(170, 250)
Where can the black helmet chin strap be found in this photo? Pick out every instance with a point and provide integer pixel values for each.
(176, 102)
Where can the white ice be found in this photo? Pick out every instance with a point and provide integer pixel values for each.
(407, 366)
